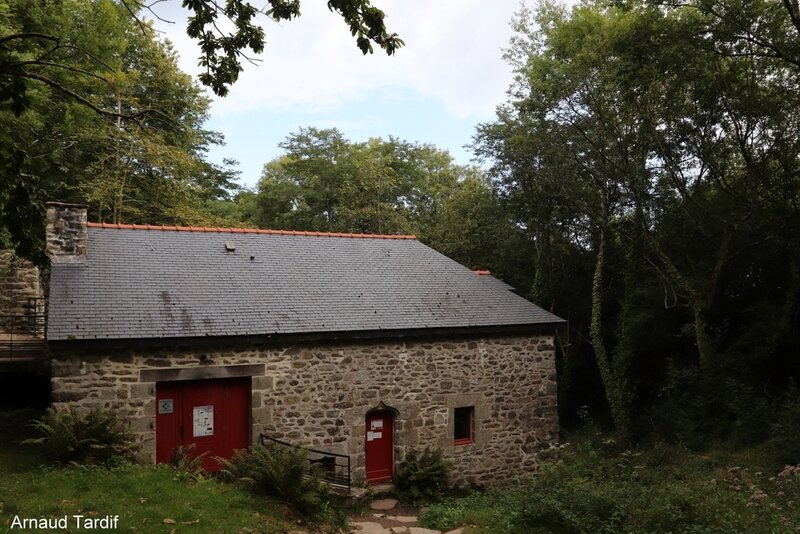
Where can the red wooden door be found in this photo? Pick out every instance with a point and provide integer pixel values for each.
(210, 416)
(379, 447)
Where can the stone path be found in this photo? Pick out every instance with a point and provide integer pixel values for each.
(384, 521)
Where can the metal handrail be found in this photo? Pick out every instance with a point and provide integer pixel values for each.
(23, 334)
(333, 472)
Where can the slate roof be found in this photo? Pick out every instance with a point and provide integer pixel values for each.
(173, 283)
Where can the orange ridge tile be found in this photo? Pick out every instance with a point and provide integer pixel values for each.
(482, 272)
(210, 229)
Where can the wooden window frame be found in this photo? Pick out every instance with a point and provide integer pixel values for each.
(470, 438)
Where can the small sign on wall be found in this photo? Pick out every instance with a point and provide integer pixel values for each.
(164, 406)
(203, 421)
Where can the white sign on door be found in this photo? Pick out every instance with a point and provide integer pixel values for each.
(203, 419)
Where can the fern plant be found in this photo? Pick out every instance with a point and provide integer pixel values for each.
(98, 437)
(281, 472)
(188, 466)
(422, 478)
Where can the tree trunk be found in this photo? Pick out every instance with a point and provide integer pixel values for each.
(705, 348)
(625, 349)
(607, 375)
(793, 7)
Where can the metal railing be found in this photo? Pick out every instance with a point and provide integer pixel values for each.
(334, 468)
(22, 336)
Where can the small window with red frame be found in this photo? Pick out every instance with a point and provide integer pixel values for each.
(464, 425)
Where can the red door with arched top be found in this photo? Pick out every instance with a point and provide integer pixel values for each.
(379, 447)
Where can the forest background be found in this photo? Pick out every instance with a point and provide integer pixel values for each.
(641, 180)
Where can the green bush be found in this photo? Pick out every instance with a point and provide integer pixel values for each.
(281, 472)
(422, 477)
(491, 511)
(98, 437)
(570, 508)
(700, 412)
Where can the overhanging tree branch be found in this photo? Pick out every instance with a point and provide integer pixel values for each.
(223, 51)
(135, 117)
(69, 68)
(27, 35)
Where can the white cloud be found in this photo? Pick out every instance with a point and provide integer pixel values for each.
(311, 64)
(454, 51)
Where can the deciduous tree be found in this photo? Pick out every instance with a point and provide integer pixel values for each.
(663, 139)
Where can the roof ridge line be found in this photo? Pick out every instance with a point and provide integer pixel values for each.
(209, 229)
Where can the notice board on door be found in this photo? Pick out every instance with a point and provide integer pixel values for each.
(203, 421)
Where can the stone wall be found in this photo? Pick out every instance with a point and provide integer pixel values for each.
(67, 232)
(318, 394)
(19, 280)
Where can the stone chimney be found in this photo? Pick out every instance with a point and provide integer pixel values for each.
(66, 234)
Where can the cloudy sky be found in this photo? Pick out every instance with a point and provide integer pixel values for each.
(448, 78)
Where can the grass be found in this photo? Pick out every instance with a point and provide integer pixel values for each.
(596, 487)
(13, 457)
(148, 499)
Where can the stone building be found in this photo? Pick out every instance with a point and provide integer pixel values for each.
(367, 346)
(24, 370)
(19, 284)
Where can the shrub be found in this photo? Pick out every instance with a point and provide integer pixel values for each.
(98, 437)
(700, 412)
(569, 505)
(423, 477)
(490, 512)
(280, 472)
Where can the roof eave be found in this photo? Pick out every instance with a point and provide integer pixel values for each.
(285, 339)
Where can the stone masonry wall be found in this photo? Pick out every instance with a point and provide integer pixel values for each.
(318, 394)
(66, 234)
(19, 280)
